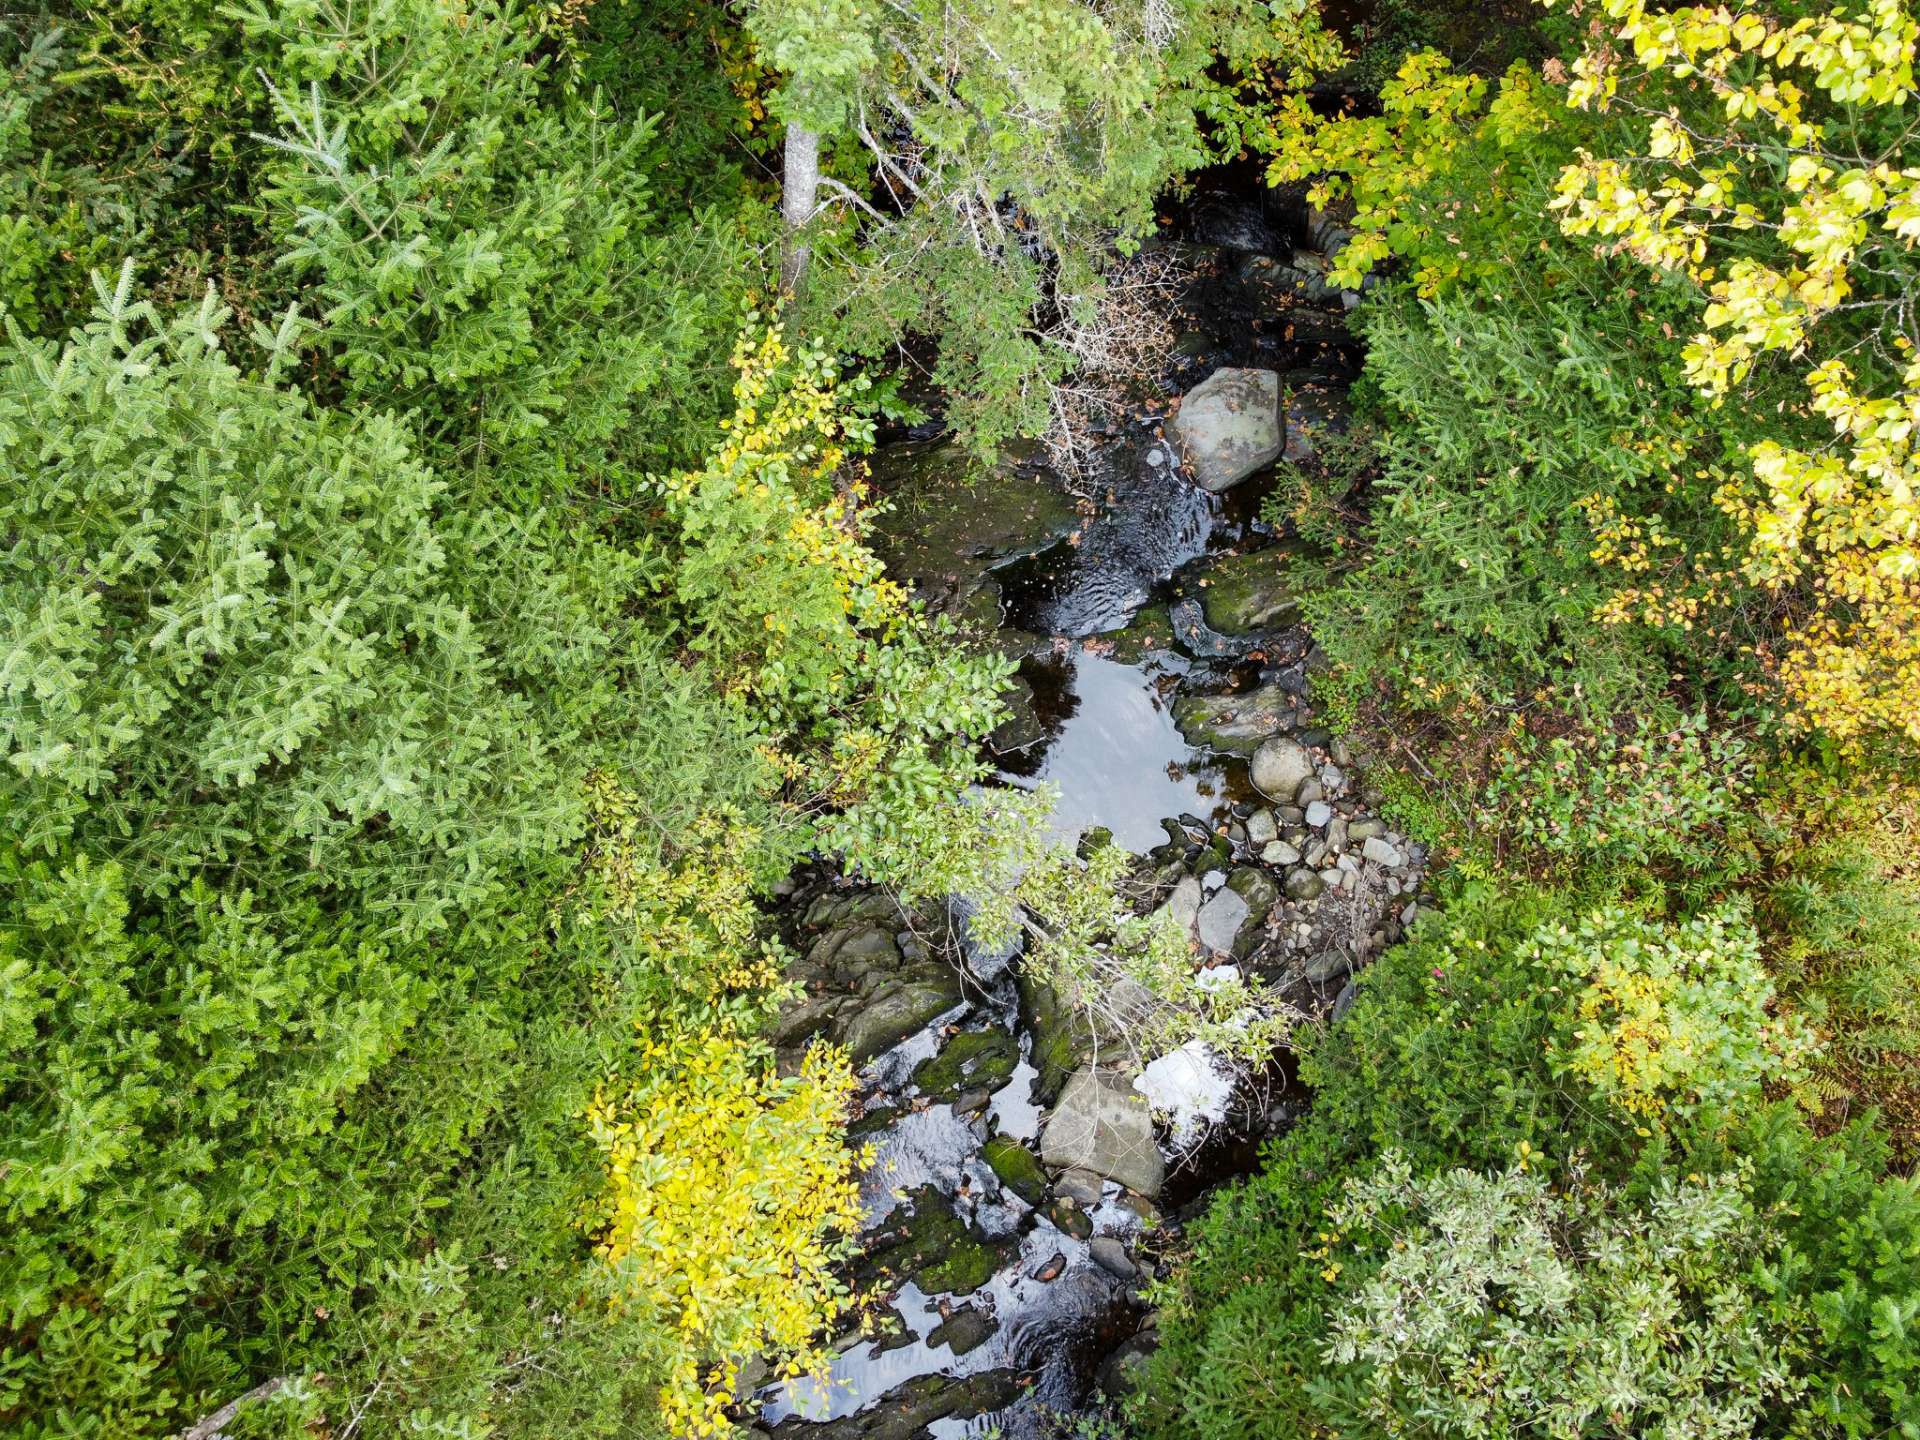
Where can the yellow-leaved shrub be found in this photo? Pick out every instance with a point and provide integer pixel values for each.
(730, 1196)
(1774, 170)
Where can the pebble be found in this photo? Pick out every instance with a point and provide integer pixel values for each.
(1319, 813)
(1310, 793)
(1337, 833)
(1280, 853)
(1050, 1269)
(1380, 852)
(1262, 828)
(1366, 829)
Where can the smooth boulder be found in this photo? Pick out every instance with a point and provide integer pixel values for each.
(1101, 1125)
(1229, 426)
(1280, 766)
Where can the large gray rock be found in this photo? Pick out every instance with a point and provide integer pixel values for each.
(1235, 724)
(1102, 1125)
(1230, 922)
(1229, 426)
(1221, 920)
(1279, 768)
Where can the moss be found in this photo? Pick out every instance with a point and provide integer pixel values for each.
(971, 1060)
(1252, 592)
(962, 1270)
(931, 1246)
(1149, 634)
(1017, 1167)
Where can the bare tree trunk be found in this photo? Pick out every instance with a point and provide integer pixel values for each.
(799, 191)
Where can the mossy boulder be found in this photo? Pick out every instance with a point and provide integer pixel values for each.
(1234, 724)
(949, 519)
(1245, 594)
(1017, 1168)
(924, 1241)
(1148, 634)
(971, 1060)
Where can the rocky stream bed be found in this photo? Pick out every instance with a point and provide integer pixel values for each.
(1023, 1189)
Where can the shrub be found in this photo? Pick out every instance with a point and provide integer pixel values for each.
(1796, 125)
(1670, 1018)
(1658, 793)
(1840, 904)
(730, 1195)
(1495, 1305)
(1789, 1277)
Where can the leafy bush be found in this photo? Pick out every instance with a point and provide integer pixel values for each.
(730, 1196)
(1496, 1305)
(1817, 265)
(298, 733)
(1670, 1018)
(1291, 1316)
(1659, 793)
(1840, 903)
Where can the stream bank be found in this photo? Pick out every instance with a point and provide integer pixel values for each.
(1023, 1188)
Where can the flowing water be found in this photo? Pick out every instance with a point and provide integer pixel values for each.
(1030, 1313)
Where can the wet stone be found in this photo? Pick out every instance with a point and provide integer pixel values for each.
(1069, 1218)
(1233, 724)
(1251, 593)
(1111, 1256)
(971, 1060)
(931, 1246)
(949, 519)
(965, 1330)
(895, 1013)
(1017, 1168)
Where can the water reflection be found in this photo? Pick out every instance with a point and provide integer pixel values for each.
(1114, 753)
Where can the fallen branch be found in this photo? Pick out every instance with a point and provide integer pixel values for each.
(210, 1427)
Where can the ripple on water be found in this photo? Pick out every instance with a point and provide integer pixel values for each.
(1044, 1328)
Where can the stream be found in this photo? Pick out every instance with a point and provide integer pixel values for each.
(1021, 1189)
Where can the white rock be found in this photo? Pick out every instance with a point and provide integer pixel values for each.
(1189, 1088)
(1380, 852)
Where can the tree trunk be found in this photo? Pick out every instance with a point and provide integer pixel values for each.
(799, 191)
